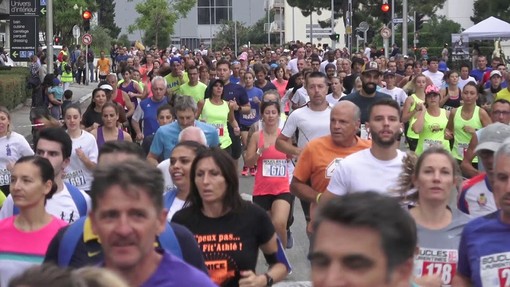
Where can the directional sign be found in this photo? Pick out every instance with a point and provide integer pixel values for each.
(24, 28)
(76, 31)
(86, 39)
(398, 20)
(42, 11)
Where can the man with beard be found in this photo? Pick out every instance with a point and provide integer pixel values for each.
(377, 168)
(368, 95)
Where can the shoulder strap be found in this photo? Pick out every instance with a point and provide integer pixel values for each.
(69, 241)
(169, 241)
(78, 199)
(168, 198)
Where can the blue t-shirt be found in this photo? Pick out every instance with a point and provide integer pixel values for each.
(167, 137)
(478, 74)
(487, 84)
(121, 58)
(484, 251)
(235, 92)
(173, 272)
(150, 115)
(234, 80)
(254, 115)
(57, 91)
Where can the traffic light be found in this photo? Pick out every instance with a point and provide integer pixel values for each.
(385, 9)
(419, 21)
(56, 40)
(86, 16)
(335, 37)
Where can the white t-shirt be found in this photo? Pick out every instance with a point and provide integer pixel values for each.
(12, 147)
(311, 124)
(76, 173)
(367, 52)
(176, 206)
(164, 166)
(292, 66)
(436, 78)
(462, 82)
(322, 68)
(361, 171)
(60, 205)
(397, 94)
(301, 97)
(331, 100)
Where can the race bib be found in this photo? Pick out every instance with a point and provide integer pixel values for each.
(430, 143)
(220, 129)
(495, 270)
(75, 178)
(251, 115)
(462, 148)
(274, 168)
(5, 177)
(433, 261)
(364, 134)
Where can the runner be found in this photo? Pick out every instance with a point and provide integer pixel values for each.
(12, 147)
(431, 122)
(412, 106)
(226, 227)
(109, 130)
(92, 118)
(451, 95)
(484, 251)
(271, 187)
(425, 185)
(83, 158)
(26, 236)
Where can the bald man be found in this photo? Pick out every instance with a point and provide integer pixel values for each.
(321, 155)
(193, 133)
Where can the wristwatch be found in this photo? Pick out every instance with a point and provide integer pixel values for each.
(269, 280)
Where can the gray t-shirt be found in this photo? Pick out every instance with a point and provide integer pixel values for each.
(364, 103)
(439, 248)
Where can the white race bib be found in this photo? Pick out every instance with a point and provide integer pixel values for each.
(5, 177)
(75, 178)
(332, 166)
(274, 168)
(462, 148)
(220, 129)
(251, 115)
(430, 143)
(364, 133)
(495, 270)
(432, 261)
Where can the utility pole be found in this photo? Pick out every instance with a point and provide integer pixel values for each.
(392, 24)
(404, 27)
(49, 36)
(333, 42)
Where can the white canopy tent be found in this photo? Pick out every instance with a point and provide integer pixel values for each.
(489, 29)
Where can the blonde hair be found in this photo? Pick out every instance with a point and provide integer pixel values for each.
(100, 277)
(411, 165)
(5, 111)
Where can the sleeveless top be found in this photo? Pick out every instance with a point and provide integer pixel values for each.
(462, 138)
(452, 103)
(218, 117)
(100, 137)
(130, 88)
(410, 133)
(120, 99)
(432, 133)
(272, 177)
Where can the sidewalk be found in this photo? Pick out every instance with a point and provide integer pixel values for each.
(20, 117)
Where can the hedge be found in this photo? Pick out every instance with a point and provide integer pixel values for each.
(13, 87)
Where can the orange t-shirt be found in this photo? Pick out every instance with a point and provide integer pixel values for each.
(319, 159)
(104, 66)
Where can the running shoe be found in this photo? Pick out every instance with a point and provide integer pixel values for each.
(290, 239)
(245, 171)
(253, 170)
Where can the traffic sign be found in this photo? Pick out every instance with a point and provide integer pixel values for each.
(398, 20)
(24, 28)
(86, 39)
(385, 33)
(76, 31)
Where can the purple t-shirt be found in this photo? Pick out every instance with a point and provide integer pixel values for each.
(173, 272)
(235, 92)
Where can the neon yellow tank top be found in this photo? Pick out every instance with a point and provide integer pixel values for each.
(410, 132)
(218, 117)
(462, 138)
(432, 133)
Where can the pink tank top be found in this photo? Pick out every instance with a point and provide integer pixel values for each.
(272, 176)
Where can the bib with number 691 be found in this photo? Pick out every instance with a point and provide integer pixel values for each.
(274, 168)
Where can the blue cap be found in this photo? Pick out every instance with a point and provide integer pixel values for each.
(442, 67)
(175, 59)
(56, 82)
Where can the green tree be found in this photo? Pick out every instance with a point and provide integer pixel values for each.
(158, 17)
(483, 9)
(102, 39)
(437, 31)
(124, 41)
(106, 17)
(225, 35)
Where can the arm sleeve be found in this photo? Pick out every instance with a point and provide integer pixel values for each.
(138, 114)
(303, 169)
(24, 147)
(157, 143)
(290, 126)
(190, 251)
(463, 267)
(338, 184)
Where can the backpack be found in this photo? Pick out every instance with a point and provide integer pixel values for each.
(74, 233)
(78, 198)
